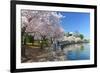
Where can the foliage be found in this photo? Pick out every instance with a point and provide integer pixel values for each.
(44, 25)
(81, 36)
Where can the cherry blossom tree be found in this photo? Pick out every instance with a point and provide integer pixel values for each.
(44, 23)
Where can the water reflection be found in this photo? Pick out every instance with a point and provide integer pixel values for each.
(77, 52)
(69, 52)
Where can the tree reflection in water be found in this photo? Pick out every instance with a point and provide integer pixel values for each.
(77, 52)
(69, 52)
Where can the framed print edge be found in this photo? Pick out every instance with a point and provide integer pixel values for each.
(13, 36)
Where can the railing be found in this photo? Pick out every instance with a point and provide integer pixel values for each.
(62, 44)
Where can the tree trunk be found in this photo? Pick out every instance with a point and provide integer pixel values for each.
(25, 41)
(43, 39)
(33, 40)
(23, 51)
(23, 48)
(41, 44)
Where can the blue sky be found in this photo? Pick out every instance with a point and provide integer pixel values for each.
(75, 21)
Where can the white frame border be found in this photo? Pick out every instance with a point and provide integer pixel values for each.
(20, 65)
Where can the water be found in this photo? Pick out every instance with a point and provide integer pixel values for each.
(77, 52)
(69, 53)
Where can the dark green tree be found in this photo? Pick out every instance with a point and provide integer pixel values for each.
(81, 36)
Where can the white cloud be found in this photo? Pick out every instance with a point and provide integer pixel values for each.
(61, 16)
(58, 15)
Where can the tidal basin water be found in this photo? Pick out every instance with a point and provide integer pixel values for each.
(77, 52)
(68, 53)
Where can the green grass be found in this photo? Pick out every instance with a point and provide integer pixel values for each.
(37, 43)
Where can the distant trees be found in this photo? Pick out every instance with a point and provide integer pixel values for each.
(74, 36)
(81, 36)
